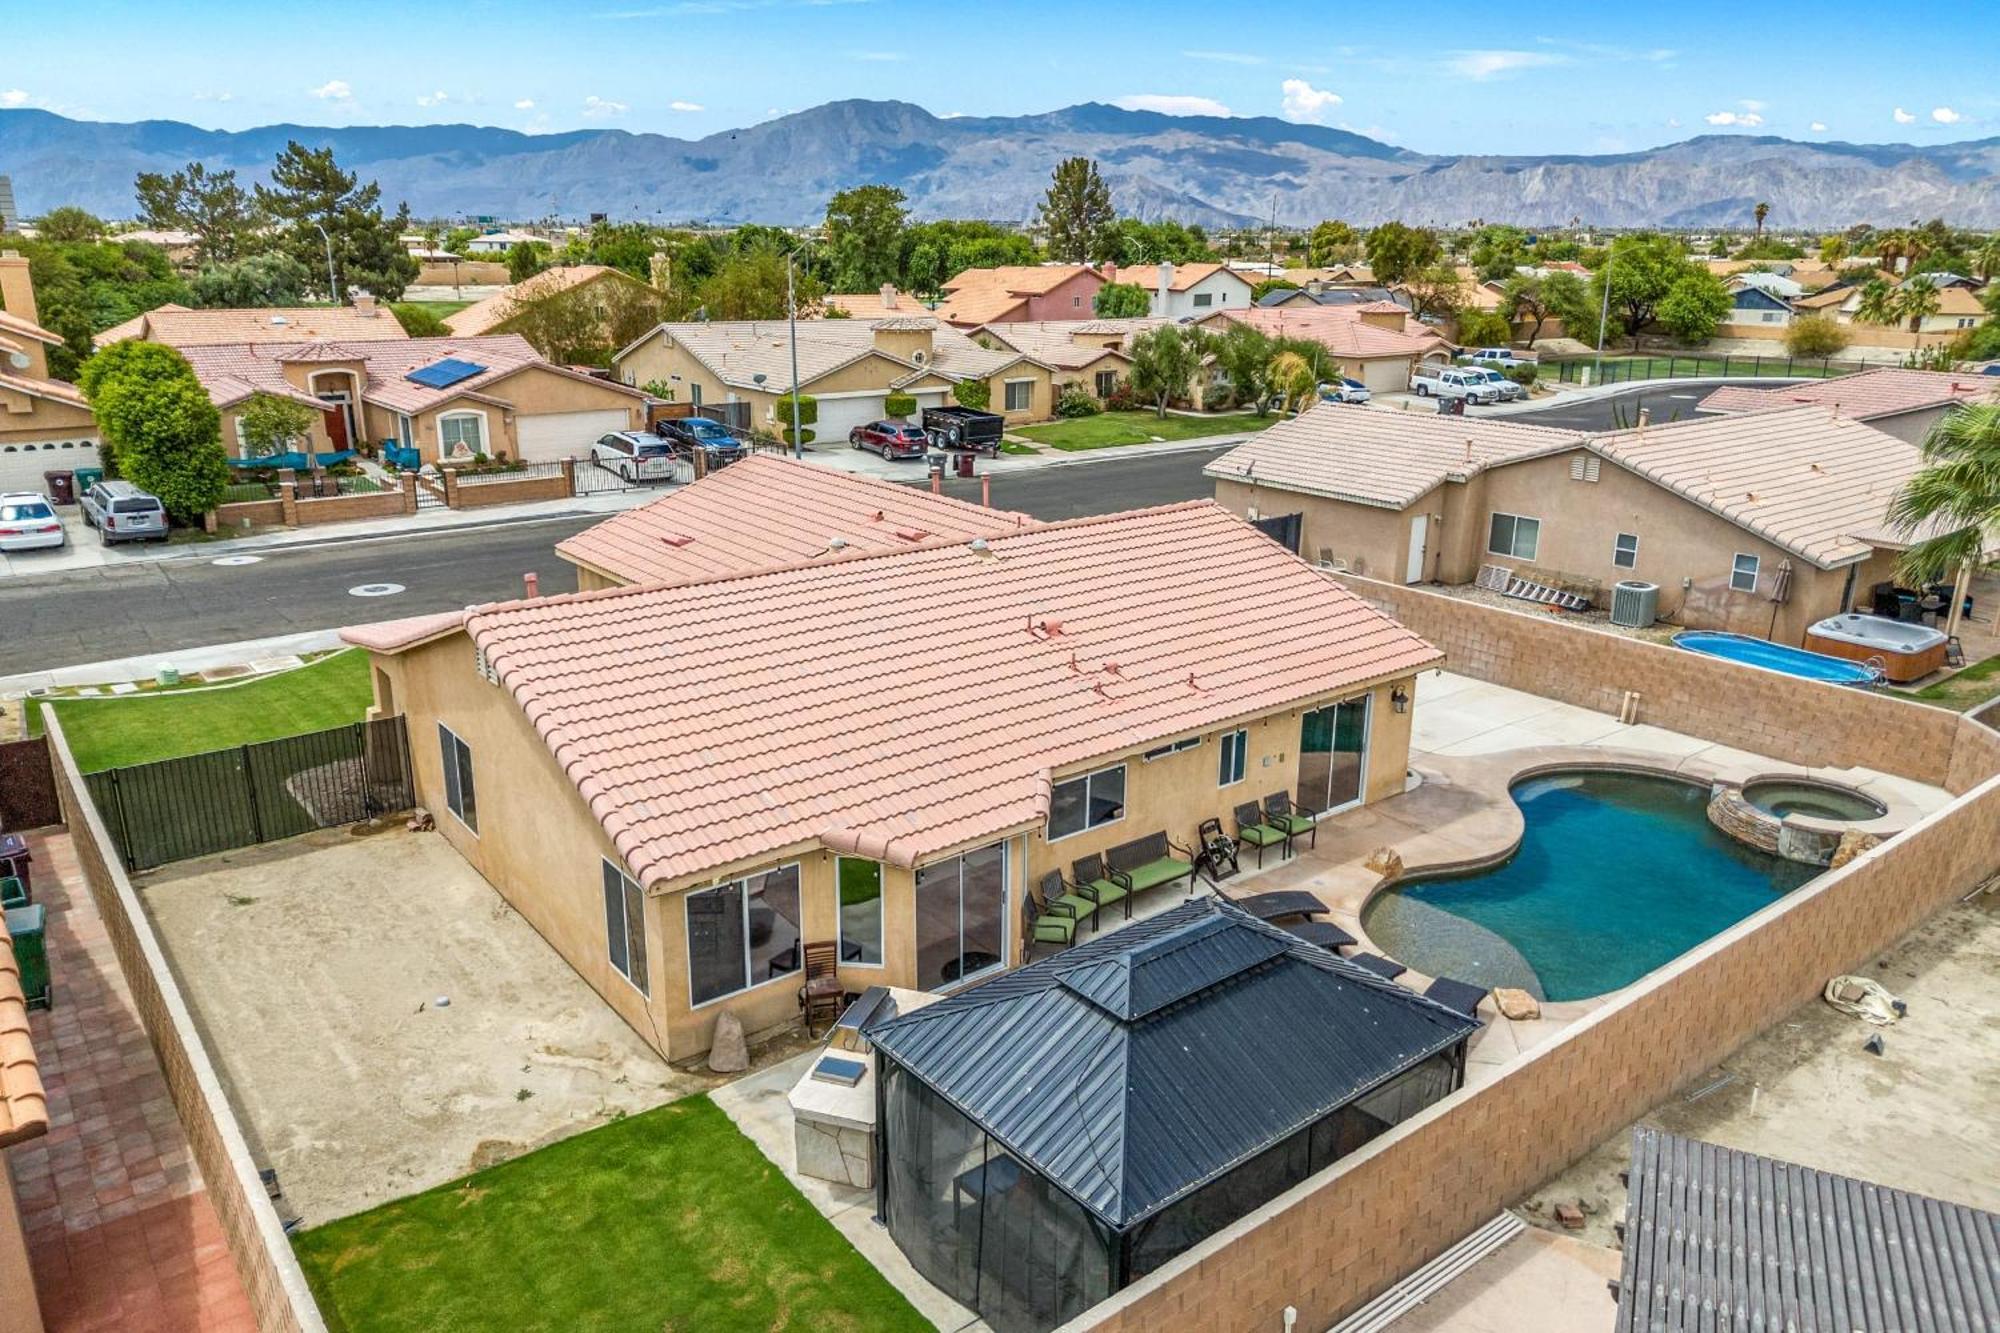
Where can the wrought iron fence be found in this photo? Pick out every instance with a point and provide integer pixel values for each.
(1624, 369)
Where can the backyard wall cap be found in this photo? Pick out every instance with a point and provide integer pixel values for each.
(24, 1103)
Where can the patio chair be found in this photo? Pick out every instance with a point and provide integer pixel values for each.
(1251, 830)
(1103, 886)
(1461, 997)
(1044, 922)
(821, 995)
(1322, 933)
(1282, 815)
(1060, 899)
(1216, 852)
(1386, 968)
(1150, 862)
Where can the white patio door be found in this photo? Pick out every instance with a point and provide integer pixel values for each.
(1420, 525)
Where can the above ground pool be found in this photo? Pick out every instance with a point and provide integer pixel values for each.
(1774, 657)
(1616, 874)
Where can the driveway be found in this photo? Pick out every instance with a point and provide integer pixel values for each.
(316, 968)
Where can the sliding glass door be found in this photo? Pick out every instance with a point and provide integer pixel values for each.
(962, 917)
(1333, 756)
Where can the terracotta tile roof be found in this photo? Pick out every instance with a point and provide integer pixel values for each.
(1055, 342)
(871, 305)
(1870, 394)
(393, 636)
(725, 721)
(982, 295)
(1340, 329)
(54, 390)
(24, 1104)
(768, 512)
(1378, 456)
(27, 329)
(1184, 275)
(177, 326)
(738, 351)
(1804, 480)
(497, 309)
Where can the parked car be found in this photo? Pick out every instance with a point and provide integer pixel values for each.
(1343, 390)
(1503, 357)
(1453, 382)
(634, 455)
(687, 434)
(1507, 389)
(28, 522)
(964, 428)
(121, 512)
(891, 439)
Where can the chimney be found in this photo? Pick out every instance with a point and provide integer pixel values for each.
(531, 585)
(1166, 285)
(364, 305)
(1110, 271)
(888, 296)
(17, 291)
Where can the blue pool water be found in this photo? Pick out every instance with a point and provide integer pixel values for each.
(1773, 657)
(1617, 873)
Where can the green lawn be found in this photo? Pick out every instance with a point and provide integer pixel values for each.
(668, 1220)
(1966, 690)
(1109, 430)
(137, 729)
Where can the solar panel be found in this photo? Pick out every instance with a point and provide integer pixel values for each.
(443, 374)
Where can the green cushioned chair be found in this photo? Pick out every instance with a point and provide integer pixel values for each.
(1151, 861)
(1252, 831)
(1282, 815)
(1046, 920)
(1092, 878)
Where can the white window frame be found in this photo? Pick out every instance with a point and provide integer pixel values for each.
(1631, 560)
(628, 891)
(881, 914)
(1234, 757)
(1086, 779)
(743, 882)
(445, 446)
(1007, 396)
(1097, 382)
(1170, 748)
(1736, 571)
(454, 777)
(1517, 520)
(1201, 300)
(406, 431)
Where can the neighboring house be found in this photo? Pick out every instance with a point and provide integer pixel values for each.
(1959, 309)
(1903, 403)
(178, 326)
(45, 424)
(1777, 284)
(1757, 524)
(1305, 297)
(1092, 352)
(441, 396)
(179, 244)
(1374, 342)
(1188, 291)
(887, 303)
(578, 282)
(1020, 292)
(1754, 309)
(849, 366)
(680, 787)
(500, 242)
(808, 513)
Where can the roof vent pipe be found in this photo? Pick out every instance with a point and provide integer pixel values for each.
(836, 543)
(980, 546)
(1645, 415)
(531, 585)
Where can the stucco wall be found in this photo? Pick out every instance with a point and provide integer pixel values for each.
(27, 419)
(1371, 539)
(19, 1311)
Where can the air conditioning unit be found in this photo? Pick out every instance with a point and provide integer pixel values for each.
(1635, 603)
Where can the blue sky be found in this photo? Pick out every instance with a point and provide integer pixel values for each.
(1549, 77)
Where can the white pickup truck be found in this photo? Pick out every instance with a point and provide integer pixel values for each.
(1449, 382)
(1500, 358)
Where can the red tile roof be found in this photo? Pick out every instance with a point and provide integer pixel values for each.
(24, 1103)
(904, 703)
(1872, 393)
(768, 512)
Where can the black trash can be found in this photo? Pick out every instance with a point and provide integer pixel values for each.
(936, 463)
(961, 464)
(61, 486)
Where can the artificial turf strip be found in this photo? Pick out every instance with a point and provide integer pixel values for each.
(1110, 430)
(115, 732)
(668, 1220)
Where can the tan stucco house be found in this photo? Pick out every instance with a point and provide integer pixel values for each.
(1375, 342)
(45, 424)
(1902, 403)
(367, 320)
(681, 786)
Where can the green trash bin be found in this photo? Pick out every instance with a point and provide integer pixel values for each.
(86, 477)
(30, 952)
(13, 893)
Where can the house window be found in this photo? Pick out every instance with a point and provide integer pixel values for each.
(742, 934)
(1743, 574)
(1510, 534)
(694, 393)
(458, 791)
(1235, 758)
(1087, 802)
(1175, 747)
(1076, 303)
(1107, 383)
(1625, 550)
(405, 432)
(860, 886)
(1020, 395)
(625, 925)
(463, 428)
(1202, 300)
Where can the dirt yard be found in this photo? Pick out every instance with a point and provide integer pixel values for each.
(316, 968)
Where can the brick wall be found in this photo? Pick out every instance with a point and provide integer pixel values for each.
(540, 483)
(1337, 1240)
(231, 517)
(301, 512)
(270, 1273)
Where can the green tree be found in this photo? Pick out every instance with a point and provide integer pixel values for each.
(583, 326)
(1524, 299)
(272, 279)
(1132, 243)
(69, 225)
(275, 425)
(163, 432)
(1640, 270)
(1576, 304)
(1292, 377)
(309, 191)
(525, 259)
(1695, 306)
(83, 288)
(1484, 328)
(1164, 362)
(1918, 301)
(1244, 356)
(209, 204)
(626, 246)
(750, 286)
(1879, 303)
(1396, 251)
(864, 236)
(1956, 494)
(975, 394)
(1331, 242)
(1076, 212)
(1986, 260)
(1496, 252)
(1435, 289)
(1832, 250)
(1121, 300)
(1815, 335)
(419, 320)
(1760, 212)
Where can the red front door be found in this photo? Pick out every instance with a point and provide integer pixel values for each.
(336, 425)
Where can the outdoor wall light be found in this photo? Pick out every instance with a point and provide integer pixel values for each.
(1399, 699)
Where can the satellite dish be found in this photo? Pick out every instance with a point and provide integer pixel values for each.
(18, 360)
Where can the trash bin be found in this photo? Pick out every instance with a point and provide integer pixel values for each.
(31, 956)
(61, 486)
(935, 462)
(15, 859)
(86, 477)
(962, 464)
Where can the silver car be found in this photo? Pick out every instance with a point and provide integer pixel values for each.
(121, 512)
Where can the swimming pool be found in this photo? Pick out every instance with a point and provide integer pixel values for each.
(1616, 874)
(1774, 657)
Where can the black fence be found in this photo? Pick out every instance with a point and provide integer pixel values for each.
(1622, 369)
(205, 803)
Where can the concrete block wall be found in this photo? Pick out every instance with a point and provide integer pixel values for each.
(542, 484)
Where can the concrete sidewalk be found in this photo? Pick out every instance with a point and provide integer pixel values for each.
(187, 662)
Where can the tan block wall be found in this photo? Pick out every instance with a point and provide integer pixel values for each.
(525, 489)
(1340, 1238)
(20, 1312)
(258, 513)
(305, 513)
(257, 1243)
(465, 273)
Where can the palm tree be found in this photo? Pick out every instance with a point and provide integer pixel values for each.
(1917, 301)
(1761, 212)
(1879, 304)
(1891, 246)
(1955, 495)
(1832, 249)
(1293, 379)
(1987, 261)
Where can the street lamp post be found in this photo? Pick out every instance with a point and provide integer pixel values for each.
(1603, 316)
(792, 325)
(332, 282)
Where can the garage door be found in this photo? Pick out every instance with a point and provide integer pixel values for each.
(554, 435)
(22, 465)
(837, 416)
(1388, 375)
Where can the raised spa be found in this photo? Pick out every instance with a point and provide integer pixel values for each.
(1906, 650)
(1783, 797)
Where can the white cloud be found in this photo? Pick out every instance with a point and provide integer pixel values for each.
(1224, 57)
(678, 105)
(1172, 104)
(1304, 102)
(1944, 115)
(1818, 127)
(437, 98)
(525, 104)
(1482, 65)
(600, 108)
(334, 90)
(1746, 119)
(223, 96)
(1904, 118)
(13, 97)
(1673, 122)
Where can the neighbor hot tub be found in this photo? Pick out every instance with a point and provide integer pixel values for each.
(1907, 650)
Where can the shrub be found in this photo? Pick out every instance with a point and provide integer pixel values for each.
(895, 405)
(1484, 328)
(1077, 401)
(1523, 374)
(419, 320)
(1122, 399)
(781, 412)
(975, 394)
(1815, 335)
(164, 432)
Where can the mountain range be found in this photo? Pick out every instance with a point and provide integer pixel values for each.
(1216, 171)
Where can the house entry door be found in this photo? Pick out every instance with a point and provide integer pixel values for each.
(1333, 756)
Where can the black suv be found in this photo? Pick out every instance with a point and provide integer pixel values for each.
(687, 434)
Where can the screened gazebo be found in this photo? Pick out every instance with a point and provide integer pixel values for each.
(1054, 1134)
